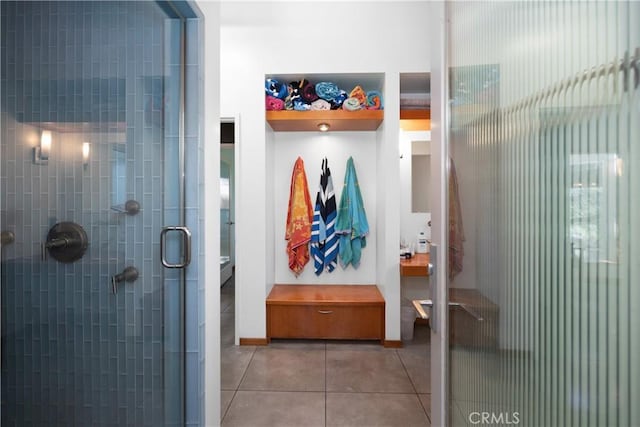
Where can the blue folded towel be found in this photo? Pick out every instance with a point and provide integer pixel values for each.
(300, 105)
(336, 103)
(327, 90)
(274, 88)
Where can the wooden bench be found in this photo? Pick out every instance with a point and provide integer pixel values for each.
(354, 312)
(473, 318)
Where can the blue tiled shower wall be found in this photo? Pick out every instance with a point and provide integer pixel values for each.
(72, 352)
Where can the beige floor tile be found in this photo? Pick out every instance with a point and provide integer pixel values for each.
(227, 330)
(348, 345)
(375, 409)
(228, 296)
(227, 303)
(225, 401)
(234, 362)
(421, 339)
(366, 371)
(418, 365)
(297, 344)
(267, 408)
(286, 369)
(425, 399)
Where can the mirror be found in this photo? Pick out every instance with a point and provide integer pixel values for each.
(415, 137)
(420, 176)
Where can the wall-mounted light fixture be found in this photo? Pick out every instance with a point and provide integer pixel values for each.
(41, 152)
(86, 149)
(323, 127)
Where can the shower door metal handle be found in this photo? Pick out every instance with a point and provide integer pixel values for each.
(186, 246)
(433, 281)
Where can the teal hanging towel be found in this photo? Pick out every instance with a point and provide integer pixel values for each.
(351, 225)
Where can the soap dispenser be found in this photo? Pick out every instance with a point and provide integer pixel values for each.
(422, 246)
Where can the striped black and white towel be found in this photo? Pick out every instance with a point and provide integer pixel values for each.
(324, 240)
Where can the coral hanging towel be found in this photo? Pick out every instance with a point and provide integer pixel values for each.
(299, 217)
(351, 225)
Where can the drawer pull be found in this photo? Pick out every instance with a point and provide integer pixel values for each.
(325, 311)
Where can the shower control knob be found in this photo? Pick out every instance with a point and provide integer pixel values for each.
(66, 242)
(129, 274)
(132, 207)
(7, 237)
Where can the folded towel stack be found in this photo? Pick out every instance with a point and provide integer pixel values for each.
(273, 103)
(359, 94)
(327, 91)
(374, 100)
(352, 104)
(300, 105)
(303, 95)
(274, 88)
(320, 104)
(308, 91)
(336, 103)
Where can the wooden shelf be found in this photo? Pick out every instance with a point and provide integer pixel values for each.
(415, 120)
(415, 266)
(338, 120)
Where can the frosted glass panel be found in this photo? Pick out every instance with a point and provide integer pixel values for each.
(544, 135)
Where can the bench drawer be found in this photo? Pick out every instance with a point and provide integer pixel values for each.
(326, 321)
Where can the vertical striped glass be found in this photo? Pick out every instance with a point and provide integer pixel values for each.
(544, 137)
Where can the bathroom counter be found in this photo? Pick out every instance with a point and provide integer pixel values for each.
(415, 266)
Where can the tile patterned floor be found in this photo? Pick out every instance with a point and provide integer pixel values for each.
(322, 383)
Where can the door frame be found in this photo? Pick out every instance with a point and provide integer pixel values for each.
(210, 285)
(439, 214)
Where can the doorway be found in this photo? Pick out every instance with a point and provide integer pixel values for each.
(227, 199)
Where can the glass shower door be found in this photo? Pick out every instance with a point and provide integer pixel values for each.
(545, 110)
(92, 136)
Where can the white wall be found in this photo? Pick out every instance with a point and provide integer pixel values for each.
(270, 218)
(264, 38)
(337, 147)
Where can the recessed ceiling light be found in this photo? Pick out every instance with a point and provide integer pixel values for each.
(323, 127)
